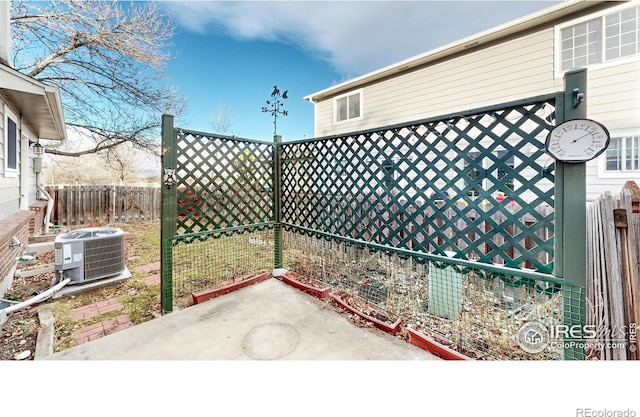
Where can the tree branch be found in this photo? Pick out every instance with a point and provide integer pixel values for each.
(106, 58)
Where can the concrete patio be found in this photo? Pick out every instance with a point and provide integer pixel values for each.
(265, 321)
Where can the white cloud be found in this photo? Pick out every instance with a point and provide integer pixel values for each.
(356, 36)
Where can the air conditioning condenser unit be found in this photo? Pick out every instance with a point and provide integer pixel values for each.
(90, 254)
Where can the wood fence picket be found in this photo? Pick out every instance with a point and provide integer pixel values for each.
(83, 205)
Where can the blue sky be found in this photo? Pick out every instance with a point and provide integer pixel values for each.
(229, 55)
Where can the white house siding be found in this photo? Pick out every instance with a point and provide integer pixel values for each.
(517, 69)
(5, 33)
(30, 178)
(512, 70)
(9, 185)
(614, 100)
(10, 197)
(33, 193)
(11, 193)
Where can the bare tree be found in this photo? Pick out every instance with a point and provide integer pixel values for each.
(77, 171)
(107, 58)
(122, 162)
(221, 121)
(121, 165)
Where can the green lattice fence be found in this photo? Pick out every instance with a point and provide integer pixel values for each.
(223, 220)
(380, 213)
(477, 185)
(446, 223)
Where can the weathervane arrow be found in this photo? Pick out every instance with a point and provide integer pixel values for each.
(275, 105)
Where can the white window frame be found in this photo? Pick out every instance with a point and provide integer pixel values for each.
(602, 162)
(559, 72)
(358, 92)
(10, 172)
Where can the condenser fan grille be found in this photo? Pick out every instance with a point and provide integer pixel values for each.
(103, 257)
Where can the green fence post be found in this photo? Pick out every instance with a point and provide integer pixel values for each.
(168, 212)
(277, 202)
(571, 220)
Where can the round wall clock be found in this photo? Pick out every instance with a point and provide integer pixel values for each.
(577, 140)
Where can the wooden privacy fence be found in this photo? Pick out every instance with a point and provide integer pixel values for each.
(81, 205)
(613, 286)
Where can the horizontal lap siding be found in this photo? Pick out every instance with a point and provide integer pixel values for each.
(9, 196)
(509, 71)
(8, 186)
(614, 100)
(615, 96)
(323, 120)
(596, 186)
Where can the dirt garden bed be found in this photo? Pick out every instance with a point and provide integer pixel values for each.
(20, 332)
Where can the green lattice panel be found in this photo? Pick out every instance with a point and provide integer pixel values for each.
(478, 185)
(222, 182)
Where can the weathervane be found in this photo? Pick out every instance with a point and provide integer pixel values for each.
(274, 106)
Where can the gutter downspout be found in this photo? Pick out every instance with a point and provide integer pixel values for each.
(50, 201)
(39, 187)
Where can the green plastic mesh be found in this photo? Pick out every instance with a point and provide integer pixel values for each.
(472, 310)
(204, 264)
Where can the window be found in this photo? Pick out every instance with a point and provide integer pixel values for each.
(600, 40)
(623, 154)
(582, 45)
(11, 146)
(622, 32)
(348, 107)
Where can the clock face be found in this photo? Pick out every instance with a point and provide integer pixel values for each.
(577, 140)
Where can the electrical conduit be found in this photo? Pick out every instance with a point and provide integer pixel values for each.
(4, 313)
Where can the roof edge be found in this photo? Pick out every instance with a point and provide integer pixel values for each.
(50, 95)
(57, 113)
(507, 29)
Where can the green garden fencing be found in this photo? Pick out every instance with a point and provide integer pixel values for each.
(449, 224)
(217, 212)
(476, 309)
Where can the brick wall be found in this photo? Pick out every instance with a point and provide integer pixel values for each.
(36, 224)
(17, 224)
